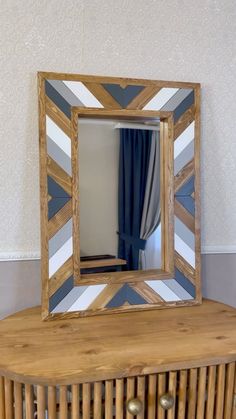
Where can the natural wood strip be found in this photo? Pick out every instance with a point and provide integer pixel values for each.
(141, 395)
(75, 406)
(146, 292)
(63, 273)
(161, 389)
(109, 399)
(144, 97)
(59, 219)
(184, 216)
(2, 398)
(119, 398)
(102, 95)
(211, 389)
(234, 397)
(115, 80)
(172, 390)
(29, 402)
(97, 402)
(229, 390)
(43, 195)
(124, 276)
(122, 309)
(41, 402)
(57, 116)
(162, 140)
(18, 400)
(63, 402)
(52, 402)
(59, 175)
(86, 401)
(102, 262)
(184, 121)
(152, 392)
(197, 196)
(117, 114)
(192, 393)
(183, 266)
(201, 394)
(167, 134)
(75, 195)
(182, 394)
(9, 399)
(105, 296)
(130, 394)
(184, 175)
(220, 389)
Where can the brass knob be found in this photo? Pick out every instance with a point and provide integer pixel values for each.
(134, 406)
(166, 401)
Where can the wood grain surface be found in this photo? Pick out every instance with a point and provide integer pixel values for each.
(115, 346)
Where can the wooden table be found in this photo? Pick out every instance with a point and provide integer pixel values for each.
(97, 363)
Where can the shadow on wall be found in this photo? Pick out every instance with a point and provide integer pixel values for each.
(219, 277)
(20, 286)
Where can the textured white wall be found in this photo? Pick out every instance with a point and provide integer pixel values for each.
(161, 39)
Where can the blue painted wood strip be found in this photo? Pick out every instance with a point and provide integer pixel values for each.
(177, 289)
(184, 157)
(175, 101)
(123, 96)
(55, 190)
(58, 155)
(184, 105)
(70, 299)
(65, 92)
(188, 203)
(57, 241)
(60, 294)
(184, 233)
(58, 99)
(185, 283)
(126, 294)
(55, 204)
(187, 188)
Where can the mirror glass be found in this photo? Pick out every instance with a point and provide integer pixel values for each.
(120, 195)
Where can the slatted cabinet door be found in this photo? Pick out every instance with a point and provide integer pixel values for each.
(197, 393)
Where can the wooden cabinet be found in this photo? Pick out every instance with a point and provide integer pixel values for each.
(170, 364)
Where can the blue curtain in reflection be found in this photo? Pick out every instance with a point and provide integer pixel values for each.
(134, 157)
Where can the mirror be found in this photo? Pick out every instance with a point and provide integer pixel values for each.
(120, 208)
(120, 195)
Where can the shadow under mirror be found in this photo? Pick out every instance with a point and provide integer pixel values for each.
(120, 195)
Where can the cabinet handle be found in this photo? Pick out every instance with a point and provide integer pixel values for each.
(166, 401)
(134, 406)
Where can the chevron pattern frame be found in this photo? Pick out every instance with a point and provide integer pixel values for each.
(63, 98)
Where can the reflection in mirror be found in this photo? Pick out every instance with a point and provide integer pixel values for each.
(120, 198)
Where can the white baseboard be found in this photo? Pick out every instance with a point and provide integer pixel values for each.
(218, 249)
(18, 255)
(35, 255)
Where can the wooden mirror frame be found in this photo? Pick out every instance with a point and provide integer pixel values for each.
(63, 99)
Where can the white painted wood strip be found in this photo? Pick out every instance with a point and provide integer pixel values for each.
(83, 94)
(58, 136)
(184, 250)
(184, 139)
(161, 289)
(60, 257)
(87, 297)
(161, 98)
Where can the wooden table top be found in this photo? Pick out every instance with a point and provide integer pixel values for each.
(114, 346)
